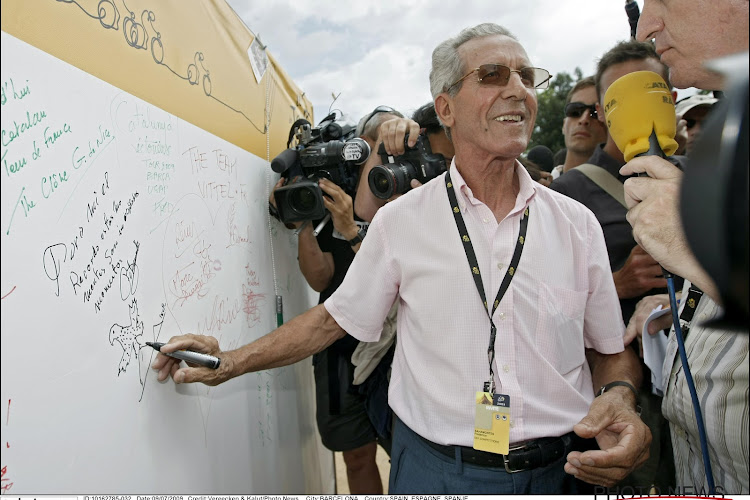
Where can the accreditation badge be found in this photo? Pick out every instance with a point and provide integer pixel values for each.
(492, 423)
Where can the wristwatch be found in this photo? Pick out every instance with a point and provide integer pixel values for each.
(620, 383)
(360, 236)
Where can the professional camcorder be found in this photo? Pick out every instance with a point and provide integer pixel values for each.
(396, 173)
(328, 151)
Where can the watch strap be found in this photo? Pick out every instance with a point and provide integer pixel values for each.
(618, 383)
(358, 238)
(622, 383)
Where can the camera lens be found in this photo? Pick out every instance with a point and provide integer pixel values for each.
(303, 200)
(387, 180)
(382, 181)
(381, 185)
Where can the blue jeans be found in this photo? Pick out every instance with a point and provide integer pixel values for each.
(418, 469)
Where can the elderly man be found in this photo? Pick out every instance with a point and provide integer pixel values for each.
(553, 332)
(687, 34)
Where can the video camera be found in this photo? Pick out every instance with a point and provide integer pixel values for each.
(396, 173)
(328, 151)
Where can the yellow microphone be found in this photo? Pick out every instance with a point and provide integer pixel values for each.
(640, 115)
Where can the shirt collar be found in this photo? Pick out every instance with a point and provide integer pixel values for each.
(527, 188)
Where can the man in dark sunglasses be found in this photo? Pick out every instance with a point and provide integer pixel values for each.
(635, 273)
(582, 130)
(598, 185)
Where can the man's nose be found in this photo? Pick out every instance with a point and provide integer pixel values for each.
(515, 87)
(648, 23)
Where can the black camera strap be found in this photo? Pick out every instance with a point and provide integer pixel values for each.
(489, 386)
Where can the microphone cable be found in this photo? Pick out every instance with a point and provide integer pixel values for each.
(690, 383)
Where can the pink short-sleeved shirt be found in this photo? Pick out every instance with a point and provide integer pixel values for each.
(562, 300)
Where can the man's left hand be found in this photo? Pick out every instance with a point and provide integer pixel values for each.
(622, 436)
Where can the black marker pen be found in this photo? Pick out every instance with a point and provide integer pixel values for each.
(190, 356)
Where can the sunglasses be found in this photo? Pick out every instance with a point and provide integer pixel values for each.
(690, 122)
(576, 110)
(499, 75)
(379, 109)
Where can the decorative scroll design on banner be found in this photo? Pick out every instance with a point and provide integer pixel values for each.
(137, 35)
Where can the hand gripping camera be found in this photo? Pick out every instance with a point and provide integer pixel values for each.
(396, 173)
(326, 152)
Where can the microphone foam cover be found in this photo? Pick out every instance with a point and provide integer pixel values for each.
(634, 106)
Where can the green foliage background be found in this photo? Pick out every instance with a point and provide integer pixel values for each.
(549, 118)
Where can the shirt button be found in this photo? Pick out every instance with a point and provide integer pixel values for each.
(485, 220)
(502, 316)
(512, 423)
(506, 368)
(500, 266)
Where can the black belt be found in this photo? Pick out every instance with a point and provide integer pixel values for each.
(526, 456)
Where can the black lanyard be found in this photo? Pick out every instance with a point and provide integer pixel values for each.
(474, 266)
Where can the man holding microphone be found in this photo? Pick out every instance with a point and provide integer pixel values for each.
(687, 34)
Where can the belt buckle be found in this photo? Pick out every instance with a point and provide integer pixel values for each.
(506, 460)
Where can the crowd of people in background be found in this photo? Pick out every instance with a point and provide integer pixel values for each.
(553, 258)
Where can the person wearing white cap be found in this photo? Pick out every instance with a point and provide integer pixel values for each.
(693, 110)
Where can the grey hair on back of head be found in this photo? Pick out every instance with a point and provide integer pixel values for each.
(446, 62)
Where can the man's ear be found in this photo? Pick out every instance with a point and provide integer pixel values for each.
(444, 109)
(600, 114)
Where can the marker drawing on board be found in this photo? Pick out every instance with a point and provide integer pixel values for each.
(197, 358)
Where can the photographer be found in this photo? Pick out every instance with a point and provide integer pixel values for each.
(342, 419)
(372, 360)
(687, 35)
(424, 120)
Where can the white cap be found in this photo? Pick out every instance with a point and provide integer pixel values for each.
(688, 103)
